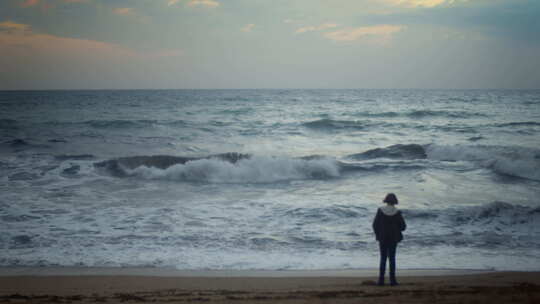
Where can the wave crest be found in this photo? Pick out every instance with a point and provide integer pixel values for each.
(223, 168)
(117, 167)
(249, 170)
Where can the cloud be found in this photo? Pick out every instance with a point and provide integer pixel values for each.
(248, 28)
(306, 29)
(507, 20)
(420, 3)
(12, 27)
(130, 12)
(164, 53)
(15, 37)
(355, 33)
(21, 44)
(29, 3)
(206, 3)
(124, 11)
(38, 60)
(321, 27)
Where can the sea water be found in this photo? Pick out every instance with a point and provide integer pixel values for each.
(268, 179)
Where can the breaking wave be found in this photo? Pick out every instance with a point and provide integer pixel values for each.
(516, 162)
(223, 168)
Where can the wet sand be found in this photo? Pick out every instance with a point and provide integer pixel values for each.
(128, 286)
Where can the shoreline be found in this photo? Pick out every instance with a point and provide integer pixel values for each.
(173, 272)
(328, 286)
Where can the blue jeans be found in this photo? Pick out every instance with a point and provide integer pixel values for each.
(388, 251)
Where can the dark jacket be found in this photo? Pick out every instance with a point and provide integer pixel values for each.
(388, 228)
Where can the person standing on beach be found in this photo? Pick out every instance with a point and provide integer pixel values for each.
(388, 225)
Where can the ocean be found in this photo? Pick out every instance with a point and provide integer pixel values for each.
(268, 179)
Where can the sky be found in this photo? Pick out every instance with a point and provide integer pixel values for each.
(197, 44)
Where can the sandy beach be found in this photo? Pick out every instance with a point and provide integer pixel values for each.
(129, 286)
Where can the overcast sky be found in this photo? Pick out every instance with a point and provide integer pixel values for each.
(139, 44)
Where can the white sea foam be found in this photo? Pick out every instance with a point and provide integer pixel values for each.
(258, 169)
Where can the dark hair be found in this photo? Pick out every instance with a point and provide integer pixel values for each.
(391, 199)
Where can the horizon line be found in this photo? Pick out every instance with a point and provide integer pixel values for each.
(232, 89)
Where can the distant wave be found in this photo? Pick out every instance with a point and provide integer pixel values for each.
(447, 114)
(421, 114)
(519, 124)
(8, 124)
(376, 114)
(400, 151)
(235, 98)
(106, 124)
(17, 143)
(330, 124)
(509, 161)
(118, 123)
(64, 157)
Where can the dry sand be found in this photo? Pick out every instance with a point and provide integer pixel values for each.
(329, 287)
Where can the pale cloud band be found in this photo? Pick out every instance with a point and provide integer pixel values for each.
(192, 3)
(355, 33)
(384, 31)
(124, 11)
(13, 28)
(248, 28)
(172, 2)
(321, 27)
(420, 3)
(31, 3)
(15, 37)
(205, 3)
